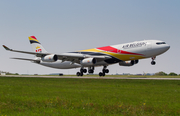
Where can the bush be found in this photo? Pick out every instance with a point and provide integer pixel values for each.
(172, 74)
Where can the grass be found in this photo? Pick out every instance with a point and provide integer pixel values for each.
(89, 97)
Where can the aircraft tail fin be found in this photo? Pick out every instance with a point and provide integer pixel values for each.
(36, 45)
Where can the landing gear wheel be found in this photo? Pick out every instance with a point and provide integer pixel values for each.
(105, 71)
(81, 74)
(85, 70)
(101, 74)
(153, 62)
(78, 74)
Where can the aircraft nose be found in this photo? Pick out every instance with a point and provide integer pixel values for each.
(167, 47)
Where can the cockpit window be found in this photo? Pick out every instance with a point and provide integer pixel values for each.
(159, 43)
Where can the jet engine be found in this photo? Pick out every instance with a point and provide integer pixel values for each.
(128, 63)
(50, 58)
(88, 61)
(136, 61)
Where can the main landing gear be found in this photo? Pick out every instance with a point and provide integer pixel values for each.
(91, 70)
(153, 62)
(104, 71)
(82, 70)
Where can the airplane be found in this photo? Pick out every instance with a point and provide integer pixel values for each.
(127, 54)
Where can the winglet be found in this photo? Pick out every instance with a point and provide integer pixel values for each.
(6, 48)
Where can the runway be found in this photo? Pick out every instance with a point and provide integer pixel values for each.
(84, 77)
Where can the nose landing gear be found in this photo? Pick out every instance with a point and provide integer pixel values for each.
(153, 62)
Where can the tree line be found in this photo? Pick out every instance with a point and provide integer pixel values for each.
(165, 74)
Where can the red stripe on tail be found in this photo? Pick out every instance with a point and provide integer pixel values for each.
(33, 37)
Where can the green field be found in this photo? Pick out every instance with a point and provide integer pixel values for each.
(88, 97)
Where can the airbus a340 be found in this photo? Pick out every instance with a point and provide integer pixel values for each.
(127, 54)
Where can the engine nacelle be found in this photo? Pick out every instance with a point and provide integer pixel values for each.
(88, 61)
(37, 60)
(50, 58)
(136, 61)
(127, 63)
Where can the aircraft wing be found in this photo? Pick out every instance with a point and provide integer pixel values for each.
(32, 53)
(74, 57)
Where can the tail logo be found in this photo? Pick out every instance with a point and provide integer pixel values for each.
(38, 49)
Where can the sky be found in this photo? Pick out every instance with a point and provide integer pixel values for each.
(71, 25)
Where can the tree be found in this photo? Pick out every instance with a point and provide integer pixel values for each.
(161, 73)
(172, 74)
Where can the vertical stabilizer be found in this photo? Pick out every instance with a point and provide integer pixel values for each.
(36, 45)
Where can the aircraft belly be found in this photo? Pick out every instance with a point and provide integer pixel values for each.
(101, 63)
(129, 57)
(68, 65)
